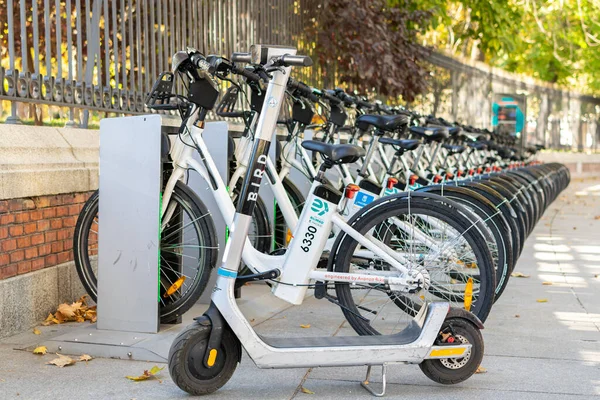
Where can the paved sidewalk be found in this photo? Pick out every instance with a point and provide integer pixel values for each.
(534, 350)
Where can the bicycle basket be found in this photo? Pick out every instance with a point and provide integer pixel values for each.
(226, 107)
(161, 93)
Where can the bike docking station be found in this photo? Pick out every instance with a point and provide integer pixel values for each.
(131, 174)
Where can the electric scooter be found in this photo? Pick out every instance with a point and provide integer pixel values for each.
(446, 342)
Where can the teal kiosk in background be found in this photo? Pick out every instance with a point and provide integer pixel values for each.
(508, 115)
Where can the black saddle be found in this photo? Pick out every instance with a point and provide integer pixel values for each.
(429, 133)
(454, 130)
(477, 145)
(404, 144)
(453, 149)
(387, 123)
(337, 153)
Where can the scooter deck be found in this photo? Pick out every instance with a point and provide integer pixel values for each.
(412, 345)
(408, 335)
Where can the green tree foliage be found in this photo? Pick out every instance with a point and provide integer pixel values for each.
(553, 40)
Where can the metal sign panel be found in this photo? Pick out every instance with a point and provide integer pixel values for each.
(129, 210)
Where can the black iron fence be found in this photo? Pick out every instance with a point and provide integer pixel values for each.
(105, 54)
(77, 56)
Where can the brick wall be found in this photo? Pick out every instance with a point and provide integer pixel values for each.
(37, 232)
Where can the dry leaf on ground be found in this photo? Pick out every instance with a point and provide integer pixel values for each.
(61, 361)
(305, 326)
(519, 275)
(36, 331)
(542, 300)
(148, 374)
(481, 370)
(85, 357)
(517, 316)
(307, 391)
(597, 217)
(40, 350)
(77, 311)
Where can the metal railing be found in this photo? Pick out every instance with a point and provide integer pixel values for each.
(105, 54)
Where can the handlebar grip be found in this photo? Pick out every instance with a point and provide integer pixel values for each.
(251, 76)
(307, 92)
(298, 61)
(302, 90)
(363, 103)
(330, 97)
(241, 58)
(199, 61)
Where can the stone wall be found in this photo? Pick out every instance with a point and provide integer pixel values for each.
(46, 175)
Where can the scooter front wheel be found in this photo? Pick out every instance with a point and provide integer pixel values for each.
(449, 371)
(186, 360)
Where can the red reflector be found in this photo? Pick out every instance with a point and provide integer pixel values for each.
(479, 170)
(413, 179)
(471, 171)
(437, 179)
(449, 175)
(459, 173)
(391, 182)
(450, 339)
(351, 190)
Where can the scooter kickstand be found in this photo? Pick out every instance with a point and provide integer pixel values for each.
(366, 384)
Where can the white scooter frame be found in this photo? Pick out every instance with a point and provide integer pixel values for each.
(412, 345)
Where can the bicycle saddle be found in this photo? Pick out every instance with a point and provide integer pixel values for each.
(454, 130)
(430, 134)
(337, 153)
(387, 123)
(453, 149)
(404, 144)
(477, 145)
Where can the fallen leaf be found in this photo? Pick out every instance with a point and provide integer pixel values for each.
(546, 283)
(519, 275)
(517, 316)
(307, 391)
(146, 375)
(305, 326)
(36, 331)
(85, 357)
(142, 377)
(542, 300)
(155, 370)
(481, 370)
(597, 217)
(66, 310)
(40, 350)
(61, 361)
(574, 228)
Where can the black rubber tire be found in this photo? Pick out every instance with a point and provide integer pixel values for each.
(204, 227)
(428, 204)
(438, 372)
(186, 360)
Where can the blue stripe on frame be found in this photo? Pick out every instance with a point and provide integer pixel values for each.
(227, 273)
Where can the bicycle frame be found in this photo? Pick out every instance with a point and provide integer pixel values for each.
(258, 262)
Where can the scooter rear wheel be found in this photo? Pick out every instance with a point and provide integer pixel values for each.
(449, 371)
(186, 360)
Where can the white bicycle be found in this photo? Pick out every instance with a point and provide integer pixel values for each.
(381, 261)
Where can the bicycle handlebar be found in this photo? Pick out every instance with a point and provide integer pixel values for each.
(302, 89)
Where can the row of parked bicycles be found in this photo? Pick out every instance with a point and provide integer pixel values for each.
(412, 224)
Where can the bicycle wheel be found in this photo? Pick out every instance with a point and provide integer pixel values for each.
(497, 236)
(188, 251)
(441, 238)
